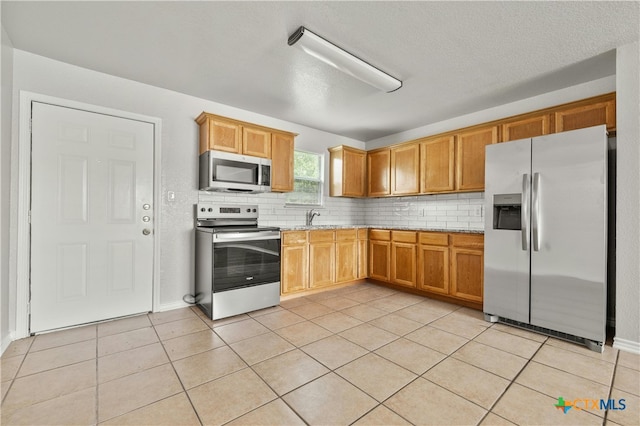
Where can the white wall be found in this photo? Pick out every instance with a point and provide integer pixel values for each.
(179, 147)
(628, 198)
(6, 78)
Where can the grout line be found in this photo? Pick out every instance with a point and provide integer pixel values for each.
(177, 375)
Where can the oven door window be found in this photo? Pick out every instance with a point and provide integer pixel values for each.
(245, 263)
(234, 171)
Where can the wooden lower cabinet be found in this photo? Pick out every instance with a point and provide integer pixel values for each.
(433, 262)
(444, 265)
(346, 255)
(467, 266)
(294, 265)
(363, 250)
(321, 258)
(403, 258)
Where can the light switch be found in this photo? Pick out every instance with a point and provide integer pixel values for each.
(171, 196)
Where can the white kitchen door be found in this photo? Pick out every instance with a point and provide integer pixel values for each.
(91, 217)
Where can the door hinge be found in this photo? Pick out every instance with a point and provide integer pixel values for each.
(29, 308)
(29, 216)
(30, 125)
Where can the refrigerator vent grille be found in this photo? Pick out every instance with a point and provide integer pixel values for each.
(548, 332)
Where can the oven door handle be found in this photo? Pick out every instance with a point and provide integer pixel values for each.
(246, 236)
(249, 248)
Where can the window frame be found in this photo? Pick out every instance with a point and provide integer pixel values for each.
(320, 181)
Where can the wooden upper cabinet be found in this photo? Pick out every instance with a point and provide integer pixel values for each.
(437, 167)
(282, 162)
(582, 116)
(226, 134)
(378, 172)
(219, 134)
(256, 142)
(526, 128)
(348, 172)
(470, 157)
(405, 169)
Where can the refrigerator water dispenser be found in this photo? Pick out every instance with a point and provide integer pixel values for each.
(507, 211)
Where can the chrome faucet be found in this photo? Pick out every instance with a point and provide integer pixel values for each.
(310, 215)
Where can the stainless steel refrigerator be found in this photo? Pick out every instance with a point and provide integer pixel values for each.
(546, 234)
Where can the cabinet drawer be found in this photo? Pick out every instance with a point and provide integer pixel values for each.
(294, 237)
(363, 233)
(404, 236)
(321, 236)
(467, 240)
(434, 238)
(346, 234)
(379, 234)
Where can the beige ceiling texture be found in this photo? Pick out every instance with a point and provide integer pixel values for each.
(453, 57)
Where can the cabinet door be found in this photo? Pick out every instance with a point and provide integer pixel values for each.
(294, 268)
(587, 116)
(467, 273)
(281, 162)
(433, 268)
(379, 257)
(470, 157)
(346, 260)
(405, 169)
(224, 135)
(526, 128)
(363, 258)
(403, 264)
(354, 166)
(256, 142)
(437, 165)
(378, 173)
(322, 259)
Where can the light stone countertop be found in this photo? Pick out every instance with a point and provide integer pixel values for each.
(393, 228)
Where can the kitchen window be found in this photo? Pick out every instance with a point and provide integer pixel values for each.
(307, 179)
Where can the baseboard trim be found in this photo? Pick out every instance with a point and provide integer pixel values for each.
(626, 345)
(6, 341)
(171, 306)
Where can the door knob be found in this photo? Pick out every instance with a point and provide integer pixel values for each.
(146, 206)
(146, 231)
(146, 218)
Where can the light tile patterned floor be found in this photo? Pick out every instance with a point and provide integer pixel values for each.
(362, 355)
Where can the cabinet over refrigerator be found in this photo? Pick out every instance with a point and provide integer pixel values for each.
(546, 234)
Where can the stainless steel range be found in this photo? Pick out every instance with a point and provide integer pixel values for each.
(237, 262)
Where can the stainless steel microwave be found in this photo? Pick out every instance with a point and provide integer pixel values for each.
(227, 172)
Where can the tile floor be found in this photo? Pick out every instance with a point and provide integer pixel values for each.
(360, 355)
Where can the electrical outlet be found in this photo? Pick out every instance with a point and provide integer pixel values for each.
(171, 196)
(476, 211)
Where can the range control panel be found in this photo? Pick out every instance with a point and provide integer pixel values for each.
(226, 211)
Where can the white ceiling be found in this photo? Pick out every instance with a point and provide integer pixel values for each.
(453, 57)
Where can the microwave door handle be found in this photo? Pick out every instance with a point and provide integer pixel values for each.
(524, 213)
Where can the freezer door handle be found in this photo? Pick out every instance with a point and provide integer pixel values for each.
(524, 212)
(535, 213)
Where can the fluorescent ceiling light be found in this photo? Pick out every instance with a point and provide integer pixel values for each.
(333, 55)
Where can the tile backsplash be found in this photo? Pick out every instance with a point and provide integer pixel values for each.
(462, 211)
(447, 211)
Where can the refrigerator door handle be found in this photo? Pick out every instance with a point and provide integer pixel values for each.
(524, 213)
(535, 213)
